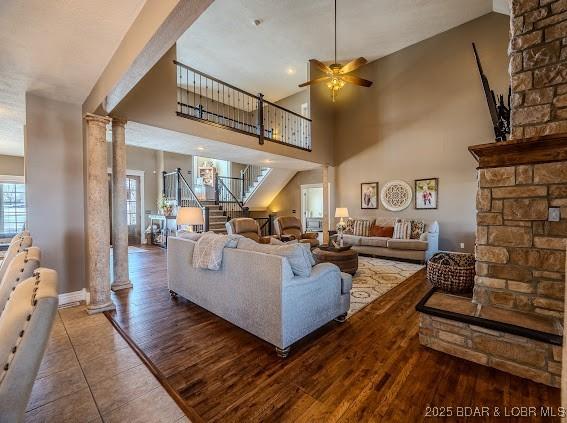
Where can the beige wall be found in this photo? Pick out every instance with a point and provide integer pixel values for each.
(174, 161)
(425, 108)
(54, 183)
(11, 165)
(289, 198)
(294, 101)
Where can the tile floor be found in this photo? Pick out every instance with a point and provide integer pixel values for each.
(90, 374)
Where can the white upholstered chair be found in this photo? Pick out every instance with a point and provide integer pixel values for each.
(20, 268)
(25, 326)
(16, 246)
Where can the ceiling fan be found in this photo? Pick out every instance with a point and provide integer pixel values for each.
(336, 74)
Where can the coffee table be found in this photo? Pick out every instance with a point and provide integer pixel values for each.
(346, 260)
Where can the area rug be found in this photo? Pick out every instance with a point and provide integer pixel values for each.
(375, 277)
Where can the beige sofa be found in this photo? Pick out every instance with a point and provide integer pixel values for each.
(410, 249)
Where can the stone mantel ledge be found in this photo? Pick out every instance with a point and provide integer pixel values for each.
(544, 149)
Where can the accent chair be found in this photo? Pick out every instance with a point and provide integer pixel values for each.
(20, 268)
(247, 227)
(16, 246)
(291, 227)
(25, 326)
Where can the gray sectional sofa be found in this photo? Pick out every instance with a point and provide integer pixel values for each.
(259, 293)
(410, 249)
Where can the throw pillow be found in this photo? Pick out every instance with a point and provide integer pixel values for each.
(417, 228)
(296, 254)
(349, 229)
(361, 227)
(402, 229)
(382, 231)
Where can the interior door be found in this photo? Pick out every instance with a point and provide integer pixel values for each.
(133, 209)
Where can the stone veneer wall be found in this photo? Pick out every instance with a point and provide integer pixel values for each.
(534, 360)
(538, 67)
(520, 255)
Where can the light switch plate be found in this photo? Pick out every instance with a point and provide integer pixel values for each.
(554, 214)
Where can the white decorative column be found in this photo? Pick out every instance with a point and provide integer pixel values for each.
(121, 279)
(98, 222)
(326, 204)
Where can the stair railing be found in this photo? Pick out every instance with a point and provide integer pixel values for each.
(177, 189)
(209, 100)
(250, 175)
(227, 192)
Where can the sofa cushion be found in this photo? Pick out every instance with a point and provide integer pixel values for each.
(361, 227)
(402, 229)
(382, 231)
(351, 239)
(374, 241)
(298, 255)
(417, 228)
(407, 244)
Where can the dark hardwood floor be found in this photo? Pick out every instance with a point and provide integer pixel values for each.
(371, 368)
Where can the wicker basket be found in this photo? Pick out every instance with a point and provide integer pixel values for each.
(452, 272)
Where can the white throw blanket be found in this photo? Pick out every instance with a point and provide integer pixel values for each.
(208, 250)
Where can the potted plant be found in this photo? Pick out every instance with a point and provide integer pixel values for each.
(164, 206)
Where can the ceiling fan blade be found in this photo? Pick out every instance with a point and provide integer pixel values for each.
(356, 80)
(323, 67)
(315, 81)
(355, 64)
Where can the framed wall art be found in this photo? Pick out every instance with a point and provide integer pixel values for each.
(426, 193)
(369, 195)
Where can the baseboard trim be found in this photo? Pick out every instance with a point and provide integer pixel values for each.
(69, 299)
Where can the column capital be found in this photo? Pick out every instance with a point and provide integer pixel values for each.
(118, 121)
(101, 120)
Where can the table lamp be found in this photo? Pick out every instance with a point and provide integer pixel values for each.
(341, 212)
(190, 216)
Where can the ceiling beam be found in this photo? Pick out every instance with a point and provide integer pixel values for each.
(156, 29)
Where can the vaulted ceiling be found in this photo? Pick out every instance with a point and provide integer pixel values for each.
(272, 57)
(56, 49)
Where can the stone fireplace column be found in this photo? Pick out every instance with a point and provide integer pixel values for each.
(98, 223)
(119, 216)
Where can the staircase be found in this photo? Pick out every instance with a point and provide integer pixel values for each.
(217, 217)
(252, 176)
(230, 197)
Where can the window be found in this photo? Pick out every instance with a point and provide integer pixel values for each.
(12, 207)
(131, 191)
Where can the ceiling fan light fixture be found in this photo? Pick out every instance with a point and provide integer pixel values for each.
(336, 76)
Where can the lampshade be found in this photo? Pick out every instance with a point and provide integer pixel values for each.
(190, 216)
(341, 212)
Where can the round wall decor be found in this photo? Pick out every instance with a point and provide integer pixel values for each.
(396, 195)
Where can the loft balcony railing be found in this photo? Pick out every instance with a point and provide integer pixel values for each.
(208, 99)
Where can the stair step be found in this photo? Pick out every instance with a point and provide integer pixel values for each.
(219, 221)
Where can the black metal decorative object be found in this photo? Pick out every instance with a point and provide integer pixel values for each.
(499, 113)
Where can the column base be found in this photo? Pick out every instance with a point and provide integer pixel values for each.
(118, 285)
(99, 308)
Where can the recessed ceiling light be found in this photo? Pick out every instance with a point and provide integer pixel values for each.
(290, 71)
(201, 148)
(268, 161)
